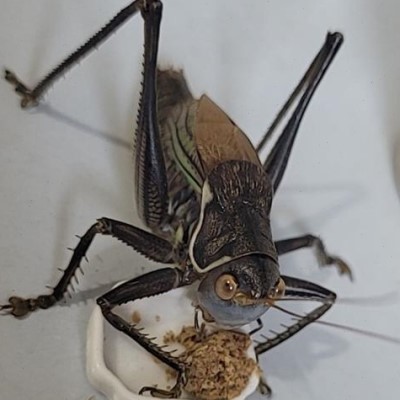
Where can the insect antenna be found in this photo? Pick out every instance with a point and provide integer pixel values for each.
(376, 300)
(364, 332)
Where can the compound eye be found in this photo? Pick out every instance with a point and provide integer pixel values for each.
(278, 291)
(226, 286)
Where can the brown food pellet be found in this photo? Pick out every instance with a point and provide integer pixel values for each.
(218, 366)
(158, 318)
(136, 318)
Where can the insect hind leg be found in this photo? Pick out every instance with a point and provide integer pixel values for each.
(31, 97)
(151, 176)
(276, 162)
(311, 241)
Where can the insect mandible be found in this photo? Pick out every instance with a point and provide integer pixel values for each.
(205, 197)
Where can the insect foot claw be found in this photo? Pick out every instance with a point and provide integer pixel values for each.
(264, 388)
(343, 268)
(174, 393)
(28, 99)
(10, 77)
(326, 259)
(19, 307)
(5, 307)
(160, 393)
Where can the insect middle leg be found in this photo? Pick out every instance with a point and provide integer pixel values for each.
(324, 258)
(151, 246)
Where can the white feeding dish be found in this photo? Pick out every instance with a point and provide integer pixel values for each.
(119, 368)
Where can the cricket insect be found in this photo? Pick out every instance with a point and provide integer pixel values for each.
(205, 197)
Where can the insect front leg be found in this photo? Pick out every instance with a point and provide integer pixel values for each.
(324, 258)
(151, 246)
(299, 289)
(150, 284)
(276, 162)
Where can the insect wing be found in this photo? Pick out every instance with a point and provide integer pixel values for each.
(218, 138)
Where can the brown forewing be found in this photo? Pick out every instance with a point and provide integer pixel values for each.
(218, 138)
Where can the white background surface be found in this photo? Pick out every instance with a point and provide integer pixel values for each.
(63, 167)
